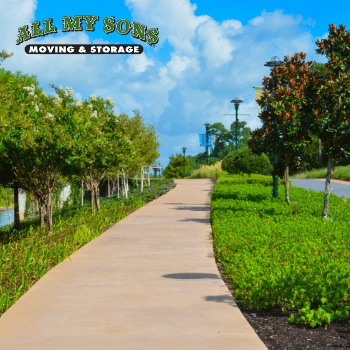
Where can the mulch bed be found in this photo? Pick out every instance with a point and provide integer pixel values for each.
(272, 328)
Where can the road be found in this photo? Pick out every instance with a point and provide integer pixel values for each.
(339, 189)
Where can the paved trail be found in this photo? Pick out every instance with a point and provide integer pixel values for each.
(149, 282)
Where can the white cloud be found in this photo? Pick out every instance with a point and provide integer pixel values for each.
(256, 21)
(175, 20)
(179, 65)
(231, 24)
(13, 15)
(214, 46)
(211, 63)
(138, 63)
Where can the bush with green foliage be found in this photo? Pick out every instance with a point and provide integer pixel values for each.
(279, 255)
(243, 161)
(175, 168)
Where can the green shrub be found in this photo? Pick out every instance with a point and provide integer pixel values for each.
(283, 255)
(243, 161)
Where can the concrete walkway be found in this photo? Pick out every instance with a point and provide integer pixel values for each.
(148, 282)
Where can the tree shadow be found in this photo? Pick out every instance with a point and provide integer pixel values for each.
(191, 276)
(202, 221)
(206, 208)
(221, 299)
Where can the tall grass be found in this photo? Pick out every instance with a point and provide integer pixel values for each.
(206, 171)
(213, 171)
(340, 173)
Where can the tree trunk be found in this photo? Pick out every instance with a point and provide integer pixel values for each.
(142, 174)
(109, 190)
(127, 182)
(118, 187)
(97, 197)
(328, 189)
(42, 213)
(49, 215)
(149, 180)
(92, 193)
(286, 181)
(82, 192)
(320, 151)
(124, 184)
(17, 219)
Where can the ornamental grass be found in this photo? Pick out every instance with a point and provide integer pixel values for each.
(206, 172)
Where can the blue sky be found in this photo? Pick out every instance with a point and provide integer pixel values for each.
(208, 53)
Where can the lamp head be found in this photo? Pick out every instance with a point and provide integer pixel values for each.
(275, 61)
(237, 100)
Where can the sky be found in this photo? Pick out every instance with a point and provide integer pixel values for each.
(209, 52)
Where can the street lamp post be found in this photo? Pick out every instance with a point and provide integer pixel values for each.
(275, 61)
(184, 151)
(236, 101)
(207, 140)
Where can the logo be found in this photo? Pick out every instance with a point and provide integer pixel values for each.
(122, 26)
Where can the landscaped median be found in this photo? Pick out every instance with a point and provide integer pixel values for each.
(27, 255)
(280, 254)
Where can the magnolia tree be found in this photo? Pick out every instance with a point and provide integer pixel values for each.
(329, 102)
(306, 103)
(284, 131)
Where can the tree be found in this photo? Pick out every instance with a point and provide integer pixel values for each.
(175, 168)
(243, 135)
(35, 143)
(320, 70)
(4, 55)
(145, 143)
(99, 142)
(222, 139)
(149, 150)
(11, 86)
(284, 132)
(329, 101)
(318, 106)
(225, 142)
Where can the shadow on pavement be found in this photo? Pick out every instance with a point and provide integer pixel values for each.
(221, 299)
(191, 276)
